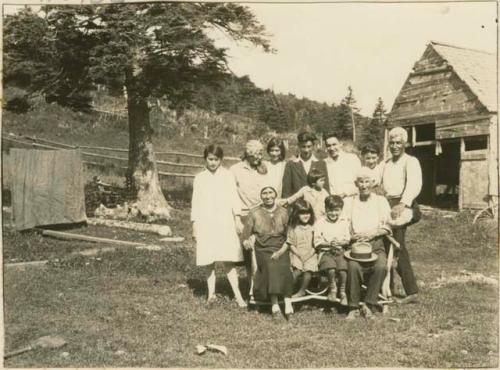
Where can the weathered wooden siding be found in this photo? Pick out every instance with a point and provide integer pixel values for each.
(459, 103)
(474, 180)
(434, 92)
(471, 125)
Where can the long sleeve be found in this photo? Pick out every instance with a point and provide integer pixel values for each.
(297, 195)
(384, 213)
(248, 227)
(413, 181)
(195, 200)
(356, 166)
(233, 193)
(286, 188)
(344, 235)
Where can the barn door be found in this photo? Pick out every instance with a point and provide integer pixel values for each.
(473, 180)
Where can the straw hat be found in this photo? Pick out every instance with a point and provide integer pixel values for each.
(361, 252)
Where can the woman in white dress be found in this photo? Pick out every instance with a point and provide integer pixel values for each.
(215, 213)
(276, 164)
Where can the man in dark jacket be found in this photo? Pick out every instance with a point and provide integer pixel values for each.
(297, 168)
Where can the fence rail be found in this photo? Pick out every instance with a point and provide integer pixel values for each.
(121, 150)
(37, 143)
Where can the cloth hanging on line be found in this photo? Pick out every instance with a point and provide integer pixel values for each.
(439, 149)
(47, 188)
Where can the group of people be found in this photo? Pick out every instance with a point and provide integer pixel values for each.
(286, 220)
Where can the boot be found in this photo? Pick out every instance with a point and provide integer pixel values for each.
(332, 295)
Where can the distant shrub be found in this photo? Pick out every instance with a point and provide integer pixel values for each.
(18, 104)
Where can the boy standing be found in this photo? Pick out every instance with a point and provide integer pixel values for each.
(331, 235)
(370, 156)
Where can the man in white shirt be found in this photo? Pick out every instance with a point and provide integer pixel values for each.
(402, 182)
(341, 168)
(369, 215)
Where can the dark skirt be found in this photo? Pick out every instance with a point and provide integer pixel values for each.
(272, 276)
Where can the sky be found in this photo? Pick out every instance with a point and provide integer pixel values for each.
(324, 48)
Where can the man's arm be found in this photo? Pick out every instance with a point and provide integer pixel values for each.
(413, 181)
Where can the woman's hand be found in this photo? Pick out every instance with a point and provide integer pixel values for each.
(275, 255)
(282, 202)
(247, 244)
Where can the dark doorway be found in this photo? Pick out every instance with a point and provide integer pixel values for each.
(447, 175)
(427, 158)
(440, 172)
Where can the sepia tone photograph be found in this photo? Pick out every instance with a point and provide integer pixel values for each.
(250, 185)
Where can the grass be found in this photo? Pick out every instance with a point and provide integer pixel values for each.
(147, 308)
(132, 308)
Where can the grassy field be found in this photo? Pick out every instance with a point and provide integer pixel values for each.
(147, 308)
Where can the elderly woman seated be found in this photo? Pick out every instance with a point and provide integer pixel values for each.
(369, 215)
(265, 230)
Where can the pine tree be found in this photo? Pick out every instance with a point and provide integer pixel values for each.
(346, 116)
(373, 132)
(150, 49)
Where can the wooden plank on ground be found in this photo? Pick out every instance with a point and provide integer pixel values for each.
(162, 230)
(91, 239)
(27, 264)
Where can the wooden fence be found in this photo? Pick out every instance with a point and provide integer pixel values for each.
(176, 166)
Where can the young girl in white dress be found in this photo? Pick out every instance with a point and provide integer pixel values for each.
(215, 214)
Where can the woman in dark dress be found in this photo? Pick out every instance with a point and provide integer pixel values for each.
(266, 232)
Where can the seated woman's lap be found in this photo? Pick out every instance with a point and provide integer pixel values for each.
(273, 276)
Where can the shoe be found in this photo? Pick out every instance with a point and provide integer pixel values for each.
(413, 298)
(367, 313)
(289, 311)
(242, 304)
(332, 296)
(343, 299)
(385, 310)
(276, 315)
(299, 294)
(353, 314)
(211, 300)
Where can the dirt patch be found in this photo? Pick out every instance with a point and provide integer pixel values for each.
(462, 278)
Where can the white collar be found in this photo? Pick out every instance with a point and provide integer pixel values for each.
(298, 158)
(331, 160)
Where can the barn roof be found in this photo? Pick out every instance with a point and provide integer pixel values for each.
(478, 69)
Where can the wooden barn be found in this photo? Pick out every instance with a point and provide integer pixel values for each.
(448, 105)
